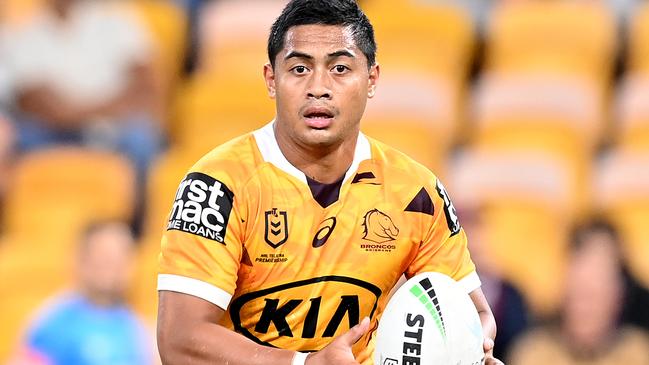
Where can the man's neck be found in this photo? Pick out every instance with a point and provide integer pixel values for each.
(322, 164)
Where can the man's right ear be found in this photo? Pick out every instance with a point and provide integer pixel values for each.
(269, 77)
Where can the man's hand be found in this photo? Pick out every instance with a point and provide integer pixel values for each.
(339, 351)
(488, 346)
(488, 326)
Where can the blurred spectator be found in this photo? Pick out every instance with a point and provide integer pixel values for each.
(192, 9)
(636, 303)
(92, 325)
(7, 138)
(507, 303)
(6, 156)
(623, 9)
(81, 72)
(589, 330)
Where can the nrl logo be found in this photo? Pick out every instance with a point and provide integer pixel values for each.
(276, 227)
(378, 227)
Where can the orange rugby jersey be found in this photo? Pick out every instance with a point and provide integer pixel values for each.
(295, 263)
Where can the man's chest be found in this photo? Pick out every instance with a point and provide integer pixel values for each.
(311, 272)
(366, 234)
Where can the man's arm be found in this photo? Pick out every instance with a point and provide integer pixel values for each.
(188, 333)
(488, 325)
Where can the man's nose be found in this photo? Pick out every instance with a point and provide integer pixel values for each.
(320, 85)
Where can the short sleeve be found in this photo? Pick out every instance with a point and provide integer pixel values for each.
(202, 246)
(444, 247)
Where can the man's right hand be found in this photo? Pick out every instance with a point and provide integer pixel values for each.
(339, 351)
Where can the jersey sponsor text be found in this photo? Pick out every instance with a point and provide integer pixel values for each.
(202, 207)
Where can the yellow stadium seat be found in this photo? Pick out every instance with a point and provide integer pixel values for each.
(29, 277)
(524, 200)
(15, 12)
(638, 39)
(143, 295)
(232, 41)
(213, 109)
(622, 194)
(167, 25)
(56, 192)
(164, 177)
(414, 114)
(551, 116)
(632, 113)
(426, 37)
(432, 42)
(565, 37)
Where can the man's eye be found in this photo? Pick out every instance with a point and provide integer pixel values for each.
(299, 69)
(340, 68)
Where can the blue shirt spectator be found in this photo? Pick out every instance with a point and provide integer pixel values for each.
(92, 324)
(78, 332)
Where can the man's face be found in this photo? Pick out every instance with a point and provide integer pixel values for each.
(321, 83)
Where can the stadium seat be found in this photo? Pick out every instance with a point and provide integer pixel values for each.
(164, 177)
(28, 279)
(143, 295)
(167, 25)
(545, 86)
(638, 39)
(622, 194)
(632, 113)
(56, 192)
(14, 12)
(233, 42)
(564, 37)
(551, 116)
(213, 109)
(524, 200)
(414, 114)
(431, 42)
(426, 37)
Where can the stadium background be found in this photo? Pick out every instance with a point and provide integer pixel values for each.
(534, 113)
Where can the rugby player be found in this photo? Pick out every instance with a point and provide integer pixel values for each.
(283, 244)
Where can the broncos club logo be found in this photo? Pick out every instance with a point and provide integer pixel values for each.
(378, 227)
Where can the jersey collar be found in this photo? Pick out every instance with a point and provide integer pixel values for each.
(267, 144)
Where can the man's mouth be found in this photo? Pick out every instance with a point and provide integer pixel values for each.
(318, 117)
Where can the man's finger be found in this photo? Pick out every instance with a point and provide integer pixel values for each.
(356, 332)
(493, 361)
(488, 344)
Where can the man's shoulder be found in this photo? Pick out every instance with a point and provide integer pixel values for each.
(397, 164)
(231, 162)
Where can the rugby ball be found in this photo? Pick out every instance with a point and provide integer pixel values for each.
(429, 320)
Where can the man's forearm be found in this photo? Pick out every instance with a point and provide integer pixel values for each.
(486, 316)
(212, 344)
(188, 333)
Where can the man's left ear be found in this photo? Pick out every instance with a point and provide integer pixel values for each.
(375, 70)
(269, 77)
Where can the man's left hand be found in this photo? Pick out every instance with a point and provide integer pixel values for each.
(488, 346)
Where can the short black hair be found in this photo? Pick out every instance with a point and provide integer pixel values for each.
(326, 12)
(581, 232)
